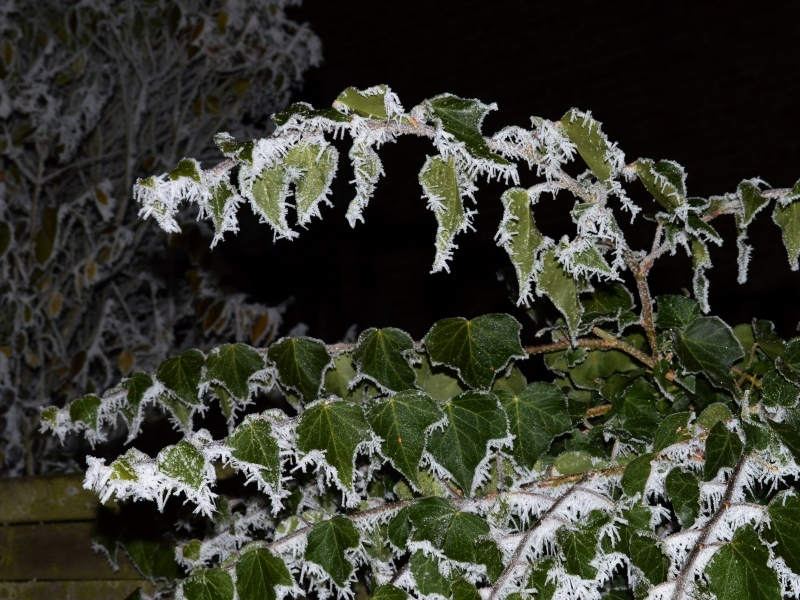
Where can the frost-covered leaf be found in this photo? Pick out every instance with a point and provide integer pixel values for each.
(327, 543)
(592, 372)
(708, 345)
(477, 349)
(302, 111)
(382, 356)
(233, 149)
(402, 422)
(337, 428)
(440, 186)
(665, 180)
(462, 119)
(453, 532)
(208, 584)
(187, 167)
(789, 431)
(713, 414)
(701, 260)
(723, 449)
(436, 381)
(258, 572)
(573, 462)
(683, 489)
(776, 391)
(475, 420)
(540, 581)
(488, 554)
(739, 571)
(535, 416)
(313, 167)
(85, 410)
(339, 377)
(646, 555)
(752, 202)
(464, 590)
(788, 219)
(222, 205)
(603, 158)
(399, 528)
(269, 193)
(579, 546)
(558, 285)
(367, 168)
(607, 302)
(675, 311)
(252, 442)
(520, 238)
(636, 474)
(673, 429)
(181, 375)
(370, 103)
(184, 463)
(301, 363)
(389, 592)
(784, 529)
(232, 366)
(427, 576)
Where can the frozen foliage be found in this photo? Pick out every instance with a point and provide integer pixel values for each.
(93, 95)
(661, 461)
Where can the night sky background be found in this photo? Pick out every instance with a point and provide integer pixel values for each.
(714, 86)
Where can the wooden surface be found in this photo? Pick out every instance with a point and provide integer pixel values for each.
(46, 499)
(71, 590)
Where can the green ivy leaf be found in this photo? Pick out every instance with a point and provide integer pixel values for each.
(474, 419)
(723, 449)
(606, 302)
(269, 199)
(402, 421)
(739, 570)
(713, 414)
(560, 287)
(665, 180)
(425, 570)
(708, 345)
(789, 431)
(85, 410)
(302, 111)
(208, 584)
(370, 103)
(673, 429)
(337, 428)
(184, 463)
(788, 219)
(539, 580)
(464, 590)
(520, 237)
(594, 370)
(233, 149)
(488, 554)
(181, 375)
(389, 592)
(675, 311)
(339, 377)
(327, 543)
(399, 529)
(477, 349)
(187, 167)
(579, 545)
(776, 391)
(573, 462)
(252, 442)
(382, 355)
(462, 119)
(752, 202)
(436, 381)
(232, 366)
(301, 363)
(316, 166)
(452, 531)
(258, 572)
(593, 145)
(784, 529)
(535, 416)
(135, 389)
(647, 556)
(683, 490)
(636, 474)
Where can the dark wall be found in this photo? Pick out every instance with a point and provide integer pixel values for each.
(712, 85)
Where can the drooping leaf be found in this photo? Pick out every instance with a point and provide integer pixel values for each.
(723, 449)
(452, 531)
(462, 119)
(327, 543)
(592, 144)
(788, 219)
(301, 363)
(337, 428)
(560, 287)
(683, 490)
(675, 311)
(665, 180)
(252, 442)
(477, 349)
(258, 572)
(314, 167)
(269, 199)
(535, 416)
(135, 388)
(208, 584)
(382, 356)
(401, 421)
(45, 240)
(475, 419)
(520, 238)
(370, 103)
(427, 576)
(232, 365)
(181, 375)
(784, 529)
(739, 569)
(708, 345)
(184, 463)
(85, 410)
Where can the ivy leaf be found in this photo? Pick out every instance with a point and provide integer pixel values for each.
(258, 572)
(232, 149)
(477, 349)
(594, 370)
(45, 240)
(683, 490)
(208, 584)
(399, 529)
(520, 238)
(752, 202)
(462, 119)
(439, 182)
(232, 366)
(636, 474)
(784, 529)
(337, 428)
(708, 345)
(673, 429)
(301, 111)
(593, 145)
(675, 311)
(425, 570)
(184, 463)
(579, 546)
(181, 375)
(545, 587)
(535, 416)
(487, 553)
(435, 382)
(135, 389)
(389, 592)
(776, 391)
(369, 103)
(313, 166)
(789, 431)
(85, 410)
(187, 167)
(665, 180)
(222, 209)
(453, 532)
(327, 543)
(401, 421)
(647, 556)
(381, 355)
(464, 590)
(723, 449)
(301, 363)
(788, 219)
(560, 287)
(339, 377)
(739, 569)
(252, 442)
(269, 193)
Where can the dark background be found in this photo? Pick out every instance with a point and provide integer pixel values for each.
(711, 85)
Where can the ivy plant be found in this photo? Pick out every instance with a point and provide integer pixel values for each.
(659, 459)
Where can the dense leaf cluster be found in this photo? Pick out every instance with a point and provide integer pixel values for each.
(661, 460)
